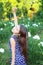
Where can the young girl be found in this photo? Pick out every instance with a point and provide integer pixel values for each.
(18, 45)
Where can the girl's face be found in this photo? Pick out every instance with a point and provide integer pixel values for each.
(16, 29)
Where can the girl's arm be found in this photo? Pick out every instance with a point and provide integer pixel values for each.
(15, 17)
(12, 41)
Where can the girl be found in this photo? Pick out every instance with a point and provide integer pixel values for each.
(18, 44)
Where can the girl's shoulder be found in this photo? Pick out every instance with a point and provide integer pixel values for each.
(14, 37)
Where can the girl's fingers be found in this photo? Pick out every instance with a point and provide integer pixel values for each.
(14, 9)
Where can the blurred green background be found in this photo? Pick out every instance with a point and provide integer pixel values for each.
(30, 14)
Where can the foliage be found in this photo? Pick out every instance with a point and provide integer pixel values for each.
(23, 7)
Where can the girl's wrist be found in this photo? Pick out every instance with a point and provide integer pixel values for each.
(14, 12)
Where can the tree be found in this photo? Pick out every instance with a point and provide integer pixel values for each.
(24, 7)
(39, 14)
(1, 11)
(24, 10)
(18, 1)
(8, 10)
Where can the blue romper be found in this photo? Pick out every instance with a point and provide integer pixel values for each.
(19, 57)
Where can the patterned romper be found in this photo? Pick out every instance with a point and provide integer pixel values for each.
(19, 58)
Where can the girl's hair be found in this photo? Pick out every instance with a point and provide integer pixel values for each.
(22, 40)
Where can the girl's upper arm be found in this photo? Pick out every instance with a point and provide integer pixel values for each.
(12, 41)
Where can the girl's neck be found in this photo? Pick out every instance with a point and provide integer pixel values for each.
(16, 34)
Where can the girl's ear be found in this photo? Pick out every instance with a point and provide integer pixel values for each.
(19, 34)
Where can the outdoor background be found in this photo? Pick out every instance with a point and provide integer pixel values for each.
(30, 14)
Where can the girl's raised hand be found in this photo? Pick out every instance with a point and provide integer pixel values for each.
(14, 9)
